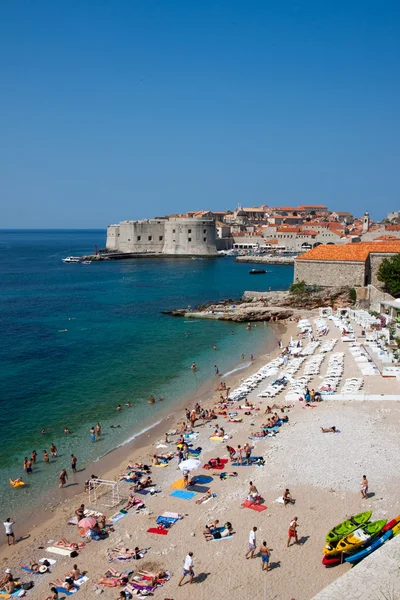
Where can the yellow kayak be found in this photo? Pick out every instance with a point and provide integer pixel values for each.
(396, 529)
(357, 538)
(17, 483)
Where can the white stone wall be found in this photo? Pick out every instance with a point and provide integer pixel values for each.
(112, 237)
(190, 237)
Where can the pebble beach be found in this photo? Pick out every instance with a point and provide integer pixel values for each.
(322, 471)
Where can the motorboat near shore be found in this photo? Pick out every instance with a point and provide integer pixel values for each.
(257, 271)
(72, 259)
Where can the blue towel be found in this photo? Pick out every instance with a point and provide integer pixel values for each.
(183, 494)
(143, 492)
(202, 479)
(61, 590)
(30, 571)
(169, 520)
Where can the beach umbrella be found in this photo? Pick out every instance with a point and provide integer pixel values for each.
(190, 464)
(87, 522)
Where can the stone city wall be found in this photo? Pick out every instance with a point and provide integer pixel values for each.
(141, 236)
(375, 259)
(190, 237)
(328, 273)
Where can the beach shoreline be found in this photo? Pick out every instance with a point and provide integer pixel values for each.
(141, 446)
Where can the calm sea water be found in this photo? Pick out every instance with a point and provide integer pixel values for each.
(77, 340)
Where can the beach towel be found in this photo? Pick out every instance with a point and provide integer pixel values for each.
(118, 516)
(280, 500)
(178, 484)
(210, 498)
(202, 479)
(216, 438)
(81, 580)
(223, 462)
(143, 492)
(253, 506)
(31, 571)
(52, 561)
(62, 590)
(172, 515)
(183, 494)
(161, 465)
(221, 538)
(61, 551)
(158, 531)
(166, 520)
(199, 489)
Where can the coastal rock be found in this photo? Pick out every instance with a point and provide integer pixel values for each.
(267, 306)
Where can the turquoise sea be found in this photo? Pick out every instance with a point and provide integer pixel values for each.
(76, 340)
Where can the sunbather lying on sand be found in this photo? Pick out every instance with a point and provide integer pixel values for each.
(67, 584)
(142, 484)
(128, 553)
(66, 545)
(206, 496)
(133, 502)
(329, 430)
(139, 466)
(217, 534)
(33, 566)
(226, 475)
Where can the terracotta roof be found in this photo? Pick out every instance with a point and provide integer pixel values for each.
(312, 206)
(254, 209)
(386, 238)
(272, 241)
(392, 227)
(285, 208)
(308, 232)
(358, 252)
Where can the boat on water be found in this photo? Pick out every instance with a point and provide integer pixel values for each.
(86, 262)
(72, 259)
(257, 271)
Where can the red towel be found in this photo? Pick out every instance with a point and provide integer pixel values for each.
(256, 507)
(222, 464)
(158, 531)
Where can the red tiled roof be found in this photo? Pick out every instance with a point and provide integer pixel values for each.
(308, 232)
(312, 206)
(288, 229)
(358, 252)
(392, 227)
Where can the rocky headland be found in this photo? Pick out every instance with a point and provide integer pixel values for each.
(267, 306)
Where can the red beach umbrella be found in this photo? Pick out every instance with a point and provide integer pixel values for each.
(87, 522)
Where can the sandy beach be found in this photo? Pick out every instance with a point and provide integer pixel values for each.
(322, 471)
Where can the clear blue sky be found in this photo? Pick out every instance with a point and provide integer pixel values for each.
(123, 109)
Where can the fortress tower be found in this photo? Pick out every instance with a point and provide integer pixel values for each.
(365, 227)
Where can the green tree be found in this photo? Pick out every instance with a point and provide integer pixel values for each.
(389, 274)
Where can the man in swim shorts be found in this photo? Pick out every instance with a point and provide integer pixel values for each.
(265, 554)
(364, 487)
(8, 526)
(292, 532)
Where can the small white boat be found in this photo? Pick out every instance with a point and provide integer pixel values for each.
(86, 262)
(72, 259)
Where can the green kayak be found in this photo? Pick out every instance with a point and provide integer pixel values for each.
(343, 529)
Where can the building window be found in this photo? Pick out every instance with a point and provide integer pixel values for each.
(139, 238)
(150, 238)
(160, 237)
(189, 239)
(204, 230)
(204, 239)
(189, 231)
(173, 231)
(129, 240)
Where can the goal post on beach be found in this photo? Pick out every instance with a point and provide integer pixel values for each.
(106, 491)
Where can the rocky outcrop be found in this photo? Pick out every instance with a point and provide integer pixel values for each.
(267, 306)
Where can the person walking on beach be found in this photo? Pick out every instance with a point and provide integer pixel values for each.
(252, 543)
(247, 449)
(292, 532)
(74, 461)
(187, 569)
(265, 554)
(216, 370)
(53, 450)
(364, 487)
(92, 434)
(98, 430)
(8, 526)
(63, 477)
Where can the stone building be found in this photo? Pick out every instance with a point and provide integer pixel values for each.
(171, 236)
(353, 265)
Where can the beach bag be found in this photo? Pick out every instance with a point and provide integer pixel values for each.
(28, 585)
